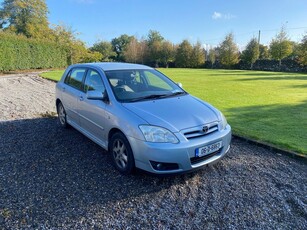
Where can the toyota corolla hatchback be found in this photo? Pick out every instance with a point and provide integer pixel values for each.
(141, 117)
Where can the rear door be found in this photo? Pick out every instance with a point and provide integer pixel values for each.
(71, 92)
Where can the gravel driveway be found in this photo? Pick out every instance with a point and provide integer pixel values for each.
(51, 178)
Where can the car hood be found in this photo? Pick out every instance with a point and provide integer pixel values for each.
(176, 113)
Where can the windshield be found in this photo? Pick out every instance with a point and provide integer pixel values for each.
(138, 85)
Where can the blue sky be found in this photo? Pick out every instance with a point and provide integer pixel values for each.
(207, 21)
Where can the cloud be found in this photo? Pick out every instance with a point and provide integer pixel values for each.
(218, 15)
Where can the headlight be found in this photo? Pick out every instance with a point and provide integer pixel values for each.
(158, 134)
(223, 122)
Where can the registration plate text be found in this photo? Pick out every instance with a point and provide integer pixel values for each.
(203, 151)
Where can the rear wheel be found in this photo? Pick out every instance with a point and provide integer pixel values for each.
(122, 155)
(62, 115)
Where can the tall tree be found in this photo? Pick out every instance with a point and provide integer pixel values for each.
(131, 53)
(167, 53)
(197, 56)
(28, 17)
(119, 45)
(183, 54)
(106, 50)
(263, 52)
(228, 51)
(135, 51)
(212, 56)
(280, 46)
(154, 43)
(78, 52)
(251, 52)
(154, 36)
(302, 51)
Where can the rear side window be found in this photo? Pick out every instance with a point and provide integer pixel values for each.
(75, 78)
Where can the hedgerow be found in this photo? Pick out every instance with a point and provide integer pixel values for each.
(19, 53)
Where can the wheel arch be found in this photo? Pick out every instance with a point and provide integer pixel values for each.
(57, 102)
(111, 133)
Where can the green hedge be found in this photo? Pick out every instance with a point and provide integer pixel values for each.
(19, 53)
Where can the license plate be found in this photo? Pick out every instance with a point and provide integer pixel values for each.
(203, 151)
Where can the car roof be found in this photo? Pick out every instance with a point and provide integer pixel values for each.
(106, 66)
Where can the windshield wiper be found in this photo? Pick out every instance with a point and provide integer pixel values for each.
(152, 96)
(177, 93)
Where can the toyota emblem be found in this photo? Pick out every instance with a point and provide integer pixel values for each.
(205, 129)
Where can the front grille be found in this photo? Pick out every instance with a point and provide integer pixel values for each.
(195, 160)
(198, 131)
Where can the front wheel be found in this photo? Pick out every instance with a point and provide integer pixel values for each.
(62, 115)
(122, 155)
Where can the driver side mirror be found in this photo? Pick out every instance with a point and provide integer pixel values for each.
(95, 95)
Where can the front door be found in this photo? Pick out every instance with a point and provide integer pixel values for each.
(92, 112)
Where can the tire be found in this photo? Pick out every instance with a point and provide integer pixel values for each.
(62, 115)
(121, 153)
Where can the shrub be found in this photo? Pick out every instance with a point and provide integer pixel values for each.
(19, 53)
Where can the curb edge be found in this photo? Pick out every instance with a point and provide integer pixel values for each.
(272, 148)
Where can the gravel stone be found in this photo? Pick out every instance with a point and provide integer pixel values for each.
(54, 178)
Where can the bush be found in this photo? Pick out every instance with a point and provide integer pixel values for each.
(19, 53)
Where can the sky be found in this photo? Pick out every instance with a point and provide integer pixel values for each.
(207, 21)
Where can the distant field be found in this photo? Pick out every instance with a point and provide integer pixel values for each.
(266, 106)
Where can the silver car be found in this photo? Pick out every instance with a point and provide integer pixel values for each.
(141, 117)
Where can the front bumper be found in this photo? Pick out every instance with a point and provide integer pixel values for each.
(182, 154)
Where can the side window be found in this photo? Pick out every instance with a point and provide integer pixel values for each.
(93, 81)
(75, 77)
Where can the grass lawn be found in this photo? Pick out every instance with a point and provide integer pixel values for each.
(53, 75)
(266, 106)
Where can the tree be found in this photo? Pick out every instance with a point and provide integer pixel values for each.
(212, 56)
(183, 54)
(154, 43)
(25, 17)
(64, 34)
(263, 52)
(167, 53)
(135, 51)
(228, 51)
(197, 56)
(154, 36)
(131, 53)
(119, 45)
(251, 53)
(280, 46)
(78, 52)
(302, 51)
(106, 50)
